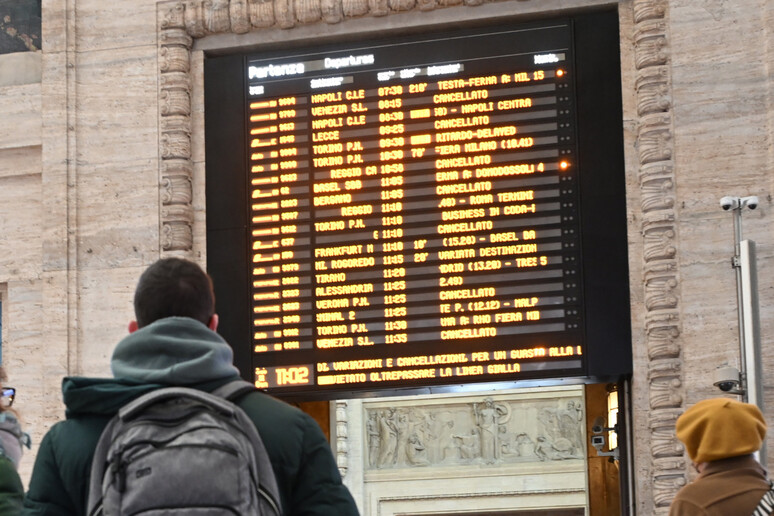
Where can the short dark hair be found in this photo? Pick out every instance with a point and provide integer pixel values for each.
(173, 287)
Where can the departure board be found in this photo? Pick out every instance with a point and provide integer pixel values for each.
(414, 211)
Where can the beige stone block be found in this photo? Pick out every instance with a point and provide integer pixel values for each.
(117, 107)
(20, 161)
(709, 300)
(198, 179)
(20, 113)
(20, 68)
(727, 31)
(708, 234)
(115, 25)
(200, 214)
(56, 159)
(197, 106)
(54, 92)
(20, 223)
(628, 72)
(54, 25)
(719, 88)
(117, 214)
(104, 311)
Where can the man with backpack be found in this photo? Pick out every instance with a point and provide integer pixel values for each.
(173, 344)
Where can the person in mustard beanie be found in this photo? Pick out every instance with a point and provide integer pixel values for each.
(720, 436)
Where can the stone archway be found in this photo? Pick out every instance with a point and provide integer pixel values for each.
(657, 316)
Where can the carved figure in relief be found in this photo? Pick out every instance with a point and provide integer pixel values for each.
(542, 448)
(526, 445)
(402, 428)
(546, 449)
(372, 428)
(488, 418)
(447, 450)
(469, 445)
(387, 437)
(416, 451)
(570, 424)
(561, 436)
(509, 444)
(422, 424)
(429, 433)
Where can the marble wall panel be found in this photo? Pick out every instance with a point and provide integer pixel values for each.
(21, 208)
(719, 88)
(197, 107)
(20, 110)
(722, 91)
(20, 161)
(199, 249)
(723, 145)
(54, 26)
(117, 214)
(58, 156)
(115, 25)
(104, 313)
(117, 112)
(20, 68)
(198, 157)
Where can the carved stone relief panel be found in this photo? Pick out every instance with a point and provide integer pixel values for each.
(490, 430)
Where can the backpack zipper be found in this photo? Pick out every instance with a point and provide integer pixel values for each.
(265, 494)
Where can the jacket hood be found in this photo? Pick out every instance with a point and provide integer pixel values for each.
(172, 351)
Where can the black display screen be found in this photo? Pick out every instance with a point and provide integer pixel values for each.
(412, 211)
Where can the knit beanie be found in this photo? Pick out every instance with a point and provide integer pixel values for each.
(721, 428)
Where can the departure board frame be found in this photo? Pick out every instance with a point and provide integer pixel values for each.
(421, 212)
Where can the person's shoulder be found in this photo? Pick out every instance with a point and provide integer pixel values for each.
(265, 406)
(681, 506)
(11, 488)
(74, 439)
(280, 422)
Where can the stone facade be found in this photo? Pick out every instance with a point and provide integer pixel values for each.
(102, 172)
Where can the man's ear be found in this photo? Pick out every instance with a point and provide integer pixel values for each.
(133, 327)
(213, 324)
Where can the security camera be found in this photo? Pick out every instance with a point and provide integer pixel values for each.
(751, 202)
(727, 379)
(736, 203)
(598, 440)
(599, 426)
(729, 203)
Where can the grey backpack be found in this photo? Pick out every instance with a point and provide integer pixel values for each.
(177, 451)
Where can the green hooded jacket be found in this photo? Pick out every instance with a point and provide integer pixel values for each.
(182, 352)
(11, 488)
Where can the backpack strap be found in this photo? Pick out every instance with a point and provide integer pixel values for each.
(232, 390)
(98, 469)
(766, 505)
(268, 482)
(131, 409)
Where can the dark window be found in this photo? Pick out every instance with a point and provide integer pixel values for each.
(19, 26)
